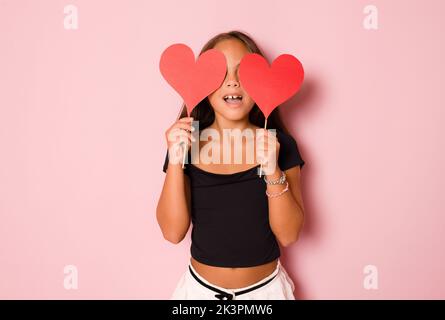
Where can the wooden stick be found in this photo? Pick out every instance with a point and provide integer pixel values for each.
(261, 166)
(180, 111)
(184, 144)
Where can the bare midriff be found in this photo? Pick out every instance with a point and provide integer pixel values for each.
(233, 278)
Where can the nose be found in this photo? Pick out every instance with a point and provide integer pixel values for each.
(232, 81)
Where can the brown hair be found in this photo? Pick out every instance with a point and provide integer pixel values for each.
(204, 113)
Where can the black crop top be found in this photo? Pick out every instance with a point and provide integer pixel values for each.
(230, 212)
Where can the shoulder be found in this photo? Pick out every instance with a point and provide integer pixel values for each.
(285, 139)
(289, 154)
(288, 144)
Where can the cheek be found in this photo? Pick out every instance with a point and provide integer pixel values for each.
(249, 101)
(214, 100)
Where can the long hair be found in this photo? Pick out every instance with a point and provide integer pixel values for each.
(204, 113)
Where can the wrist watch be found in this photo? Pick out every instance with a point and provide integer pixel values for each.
(280, 180)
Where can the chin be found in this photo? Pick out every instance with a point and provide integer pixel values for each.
(233, 114)
(233, 117)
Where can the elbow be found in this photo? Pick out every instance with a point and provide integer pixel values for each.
(291, 236)
(286, 242)
(174, 238)
(170, 233)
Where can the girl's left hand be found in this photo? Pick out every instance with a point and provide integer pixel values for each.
(267, 150)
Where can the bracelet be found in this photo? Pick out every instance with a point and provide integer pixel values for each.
(280, 180)
(272, 195)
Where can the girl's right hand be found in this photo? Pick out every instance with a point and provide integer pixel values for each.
(180, 132)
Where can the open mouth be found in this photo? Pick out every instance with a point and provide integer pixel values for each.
(233, 100)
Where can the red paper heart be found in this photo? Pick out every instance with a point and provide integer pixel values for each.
(192, 80)
(270, 86)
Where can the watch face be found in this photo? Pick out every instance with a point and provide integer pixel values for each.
(280, 180)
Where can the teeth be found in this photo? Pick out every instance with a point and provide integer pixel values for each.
(233, 97)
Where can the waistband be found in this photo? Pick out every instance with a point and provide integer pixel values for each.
(229, 294)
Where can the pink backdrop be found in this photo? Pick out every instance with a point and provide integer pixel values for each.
(82, 122)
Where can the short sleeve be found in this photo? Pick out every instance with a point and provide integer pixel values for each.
(289, 155)
(164, 168)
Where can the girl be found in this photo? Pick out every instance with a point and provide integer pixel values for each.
(239, 218)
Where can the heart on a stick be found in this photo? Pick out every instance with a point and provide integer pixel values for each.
(193, 80)
(270, 86)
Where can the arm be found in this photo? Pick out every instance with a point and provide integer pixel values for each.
(173, 209)
(286, 212)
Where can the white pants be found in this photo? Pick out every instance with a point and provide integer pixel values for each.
(280, 288)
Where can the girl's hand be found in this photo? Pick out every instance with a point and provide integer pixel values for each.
(267, 150)
(178, 134)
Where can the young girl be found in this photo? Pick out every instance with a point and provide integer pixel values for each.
(239, 217)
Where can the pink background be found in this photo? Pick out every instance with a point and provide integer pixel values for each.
(82, 122)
